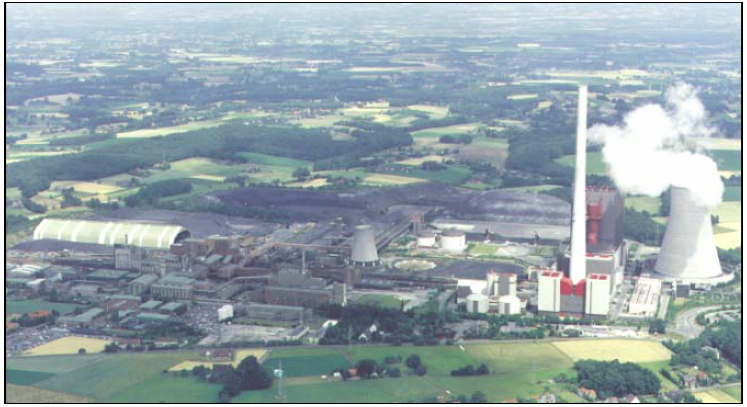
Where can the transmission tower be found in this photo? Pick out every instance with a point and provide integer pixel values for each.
(281, 396)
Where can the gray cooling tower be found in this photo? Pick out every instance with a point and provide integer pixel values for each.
(364, 246)
(688, 250)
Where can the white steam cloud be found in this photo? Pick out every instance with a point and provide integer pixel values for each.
(649, 151)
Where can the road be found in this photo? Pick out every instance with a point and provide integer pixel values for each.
(686, 325)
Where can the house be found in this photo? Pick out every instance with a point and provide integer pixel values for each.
(546, 398)
(11, 326)
(632, 399)
(689, 381)
(588, 394)
(702, 377)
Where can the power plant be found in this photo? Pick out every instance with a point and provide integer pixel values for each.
(578, 218)
(688, 251)
(364, 251)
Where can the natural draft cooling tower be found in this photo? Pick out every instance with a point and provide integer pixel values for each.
(364, 246)
(688, 250)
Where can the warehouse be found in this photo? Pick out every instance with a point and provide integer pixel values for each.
(149, 235)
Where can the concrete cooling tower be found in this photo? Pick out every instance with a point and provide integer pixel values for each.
(364, 247)
(688, 251)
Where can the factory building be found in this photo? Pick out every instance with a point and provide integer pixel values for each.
(645, 299)
(509, 305)
(142, 284)
(548, 287)
(501, 284)
(174, 287)
(453, 241)
(597, 302)
(149, 235)
(477, 303)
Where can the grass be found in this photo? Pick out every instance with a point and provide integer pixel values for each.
(68, 345)
(482, 249)
(25, 376)
(734, 391)
(22, 307)
(715, 396)
(649, 204)
(240, 355)
(732, 194)
(594, 162)
(727, 160)
(387, 301)
(621, 349)
(454, 175)
(420, 160)
(312, 365)
(16, 394)
(53, 364)
(455, 130)
(164, 388)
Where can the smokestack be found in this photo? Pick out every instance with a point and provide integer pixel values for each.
(688, 250)
(578, 218)
(364, 246)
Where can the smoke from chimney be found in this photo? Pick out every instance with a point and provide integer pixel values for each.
(651, 150)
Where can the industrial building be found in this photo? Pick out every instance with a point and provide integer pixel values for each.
(151, 235)
(364, 251)
(501, 284)
(597, 302)
(174, 287)
(453, 241)
(477, 303)
(645, 299)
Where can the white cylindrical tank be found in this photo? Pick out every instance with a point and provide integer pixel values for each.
(427, 239)
(225, 312)
(453, 241)
(509, 305)
(364, 246)
(477, 303)
(688, 250)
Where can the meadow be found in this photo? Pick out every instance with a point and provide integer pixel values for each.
(309, 362)
(381, 300)
(621, 349)
(22, 307)
(594, 163)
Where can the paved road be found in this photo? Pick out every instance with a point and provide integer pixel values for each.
(686, 325)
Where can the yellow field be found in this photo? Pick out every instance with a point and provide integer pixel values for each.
(720, 143)
(728, 174)
(69, 346)
(420, 160)
(544, 104)
(367, 109)
(383, 179)
(522, 96)
(319, 182)
(94, 188)
(241, 354)
(164, 131)
(729, 240)
(728, 212)
(714, 396)
(436, 112)
(621, 349)
(208, 177)
(27, 394)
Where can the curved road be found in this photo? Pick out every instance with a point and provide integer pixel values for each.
(686, 325)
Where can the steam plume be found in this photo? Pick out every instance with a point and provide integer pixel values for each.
(651, 150)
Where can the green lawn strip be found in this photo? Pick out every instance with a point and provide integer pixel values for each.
(594, 163)
(25, 377)
(265, 159)
(164, 388)
(727, 160)
(453, 174)
(386, 301)
(732, 194)
(734, 391)
(22, 307)
(312, 365)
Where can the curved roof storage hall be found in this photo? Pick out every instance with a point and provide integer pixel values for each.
(148, 235)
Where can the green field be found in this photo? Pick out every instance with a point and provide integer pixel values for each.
(164, 388)
(727, 160)
(733, 391)
(22, 307)
(732, 194)
(265, 159)
(594, 163)
(309, 365)
(482, 249)
(649, 204)
(455, 130)
(387, 301)
(25, 376)
(454, 175)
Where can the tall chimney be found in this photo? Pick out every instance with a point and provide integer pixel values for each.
(578, 218)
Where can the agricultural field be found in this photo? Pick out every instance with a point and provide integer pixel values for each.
(734, 391)
(16, 394)
(68, 345)
(727, 160)
(522, 96)
(167, 389)
(241, 354)
(594, 163)
(730, 224)
(22, 307)
(652, 205)
(165, 131)
(454, 175)
(25, 377)
(95, 188)
(621, 349)
(732, 194)
(435, 112)
(420, 160)
(491, 152)
(533, 188)
(483, 249)
(715, 396)
(386, 180)
(264, 159)
(455, 130)
(306, 362)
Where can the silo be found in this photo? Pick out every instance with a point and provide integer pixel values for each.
(688, 250)
(509, 305)
(364, 247)
(477, 303)
(426, 239)
(453, 241)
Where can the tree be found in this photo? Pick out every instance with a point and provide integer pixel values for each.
(657, 326)
(413, 361)
(478, 397)
(421, 370)
(366, 368)
(301, 173)
(82, 351)
(395, 372)
(253, 376)
(483, 370)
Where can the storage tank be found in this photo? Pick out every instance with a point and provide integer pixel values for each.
(364, 247)
(453, 241)
(427, 239)
(477, 303)
(509, 305)
(688, 250)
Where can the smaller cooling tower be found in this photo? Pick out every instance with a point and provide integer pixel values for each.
(364, 247)
(688, 250)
